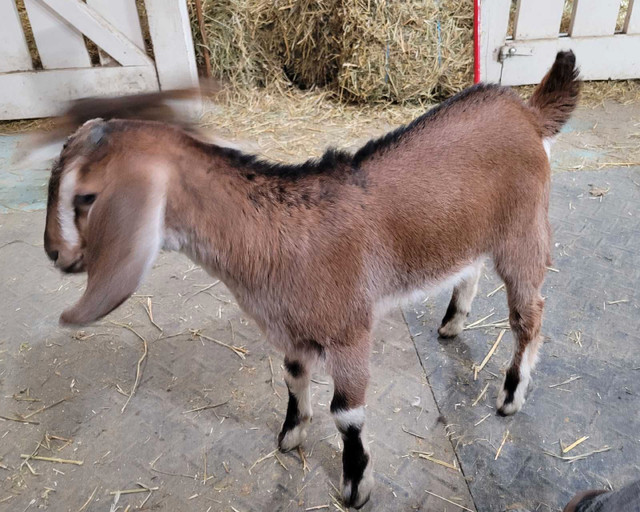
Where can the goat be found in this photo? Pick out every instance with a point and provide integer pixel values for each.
(313, 252)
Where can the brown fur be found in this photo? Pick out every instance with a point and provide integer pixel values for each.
(557, 95)
(311, 251)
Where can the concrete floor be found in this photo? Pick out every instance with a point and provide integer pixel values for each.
(222, 458)
(587, 382)
(156, 441)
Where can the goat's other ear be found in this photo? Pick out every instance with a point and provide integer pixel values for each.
(124, 236)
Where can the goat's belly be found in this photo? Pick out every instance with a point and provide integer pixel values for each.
(421, 291)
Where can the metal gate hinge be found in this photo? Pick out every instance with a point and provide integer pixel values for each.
(515, 51)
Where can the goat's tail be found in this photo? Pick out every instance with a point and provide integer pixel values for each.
(557, 95)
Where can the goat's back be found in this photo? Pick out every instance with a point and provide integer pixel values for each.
(451, 186)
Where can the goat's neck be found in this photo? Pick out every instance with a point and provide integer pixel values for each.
(234, 228)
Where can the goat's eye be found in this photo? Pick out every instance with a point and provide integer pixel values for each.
(83, 200)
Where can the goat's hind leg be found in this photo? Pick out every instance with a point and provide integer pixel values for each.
(525, 318)
(299, 413)
(460, 305)
(523, 279)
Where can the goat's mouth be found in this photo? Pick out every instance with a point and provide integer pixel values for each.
(76, 267)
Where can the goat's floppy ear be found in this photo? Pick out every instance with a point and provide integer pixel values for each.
(124, 236)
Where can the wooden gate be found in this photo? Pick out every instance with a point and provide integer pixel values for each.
(59, 30)
(517, 46)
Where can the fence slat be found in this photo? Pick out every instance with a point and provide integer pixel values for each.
(614, 57)
(632, 21)
(59, 44)
(44, 93)
(102, 33)
(538, 19)
(594, 18)
(494, 21)
(14, 52)
(172, 43)
(122, 14)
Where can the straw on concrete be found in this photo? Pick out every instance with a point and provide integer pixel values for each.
(574, 444)
(51, 459)
(478, 368)
(145, 351)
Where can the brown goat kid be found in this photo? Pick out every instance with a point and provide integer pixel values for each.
(315, 252)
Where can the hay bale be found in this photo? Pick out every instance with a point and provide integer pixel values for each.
(361, 50)
(260, 42)
(405, 51)
(231, 38)
(306, 36)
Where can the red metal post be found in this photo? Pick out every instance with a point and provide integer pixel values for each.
(476, 41)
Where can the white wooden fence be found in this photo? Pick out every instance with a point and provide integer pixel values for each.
(524, 56)
(58, 27)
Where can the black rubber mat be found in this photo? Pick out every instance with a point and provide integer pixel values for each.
(587, 382)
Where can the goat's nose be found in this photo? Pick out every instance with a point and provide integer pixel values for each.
(53, 255)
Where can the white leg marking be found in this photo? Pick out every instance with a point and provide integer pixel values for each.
(365, 486)
(297, 435)
(529, 360)
(465, 291)
(304, 401)
(301, 389)
(349, 418)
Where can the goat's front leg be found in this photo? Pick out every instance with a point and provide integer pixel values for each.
(349, 368)
(298, 377)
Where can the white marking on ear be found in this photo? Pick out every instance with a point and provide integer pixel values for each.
(66, 211)
(349, 418)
